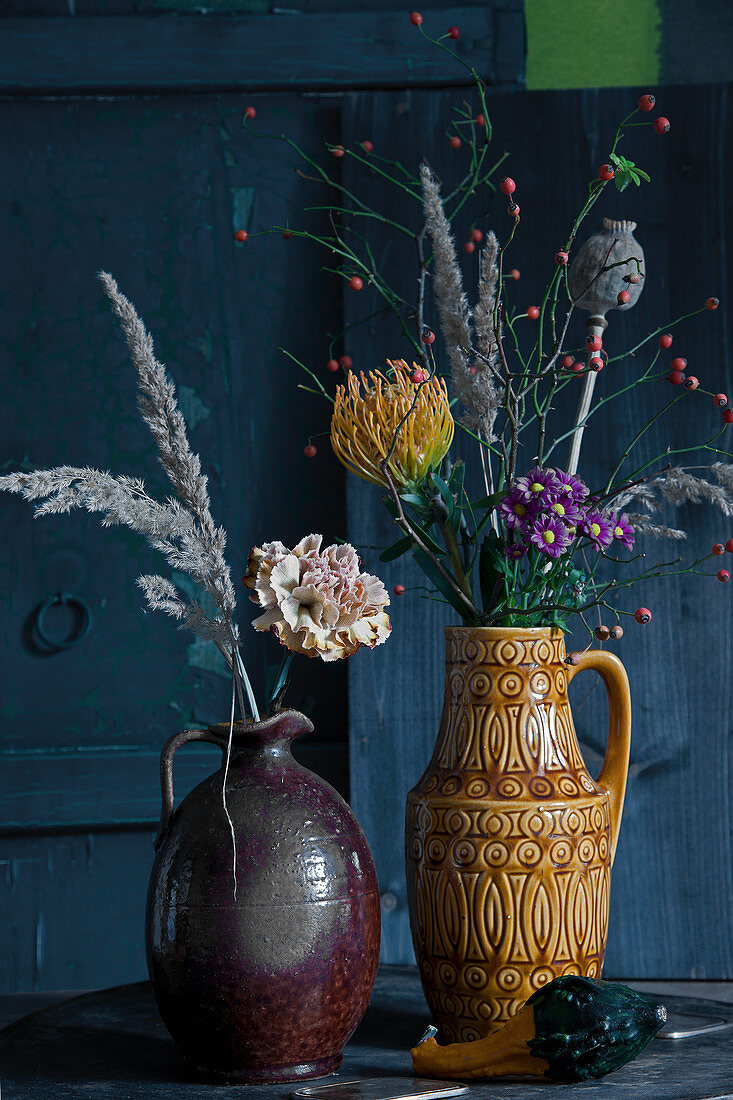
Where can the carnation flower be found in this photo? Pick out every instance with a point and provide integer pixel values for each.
(550, 535)
(622, 529)
(317, 601)
(597, 526)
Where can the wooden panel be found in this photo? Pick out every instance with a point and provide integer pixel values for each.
(672, 891)
(195, 53)
(76, 789)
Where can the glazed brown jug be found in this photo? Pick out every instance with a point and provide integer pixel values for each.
(509, 841)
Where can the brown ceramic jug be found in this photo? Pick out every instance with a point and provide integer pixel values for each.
(509, 840)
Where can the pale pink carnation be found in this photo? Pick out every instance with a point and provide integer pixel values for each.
(317, 601)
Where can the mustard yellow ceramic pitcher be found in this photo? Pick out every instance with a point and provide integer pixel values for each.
(509, 840)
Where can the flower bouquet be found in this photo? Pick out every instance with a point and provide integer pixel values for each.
(510, 840)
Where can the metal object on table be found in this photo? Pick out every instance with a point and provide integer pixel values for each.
(689, 1025)
(382, 1088)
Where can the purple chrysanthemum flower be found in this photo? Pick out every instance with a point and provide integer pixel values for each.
(515, 551)
(537, 486)
(550, 535)
(563, 507)
(571, 486)
(597, 526)
(516, 510)
(622, 530)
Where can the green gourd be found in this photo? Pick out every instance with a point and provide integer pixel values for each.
(571, 1029)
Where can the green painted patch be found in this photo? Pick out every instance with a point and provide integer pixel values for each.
(591, 44)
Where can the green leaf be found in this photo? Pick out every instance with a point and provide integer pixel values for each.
(397, 549)
(635, 178)
(416, 500)
(643, 175)
(430, 542)
(488, 502)
(428, 568)
(621, 179)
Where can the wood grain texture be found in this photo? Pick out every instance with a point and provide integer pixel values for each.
(307, 51)
(672, 885)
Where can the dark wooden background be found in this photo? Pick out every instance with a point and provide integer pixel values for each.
(122, 148)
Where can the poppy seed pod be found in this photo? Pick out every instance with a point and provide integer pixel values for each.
(599, 295)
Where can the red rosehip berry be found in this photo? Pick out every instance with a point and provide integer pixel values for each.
(355, 283)
(338, 150)
(469, 246)
(679, 363)
(606, 172)
(346, 362)
(310, 451)
(428, 337)
(729, 546)
(596, 364)
(723, 575)
(602, 633)
(712, 303)
(720, 400)
(623, 297)
(677, 377)
(332, 365)
(577, 368)
(417, 377)
(507, 186)
(454, 32)
(287, 234)
(728, 416)
(515, 274)
(633, 278)
(718, 549)
(661, 125)
(691, 383)
(568, 361)
(249, 112)
(480, 120)
(477, 235)
(665, 341)
(533, 312)
(643, 615)
(513, 209)
(455, 142)
(646, 102)
(241, 235)
(593, 343)
(399, 590)
(367, 146)
(415, 18)
(617, 631)
(561, 258)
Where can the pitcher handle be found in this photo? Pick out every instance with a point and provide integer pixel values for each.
(166, 772)
(616, 761)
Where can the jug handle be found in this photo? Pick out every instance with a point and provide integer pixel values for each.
(616, 761)
(166, 772)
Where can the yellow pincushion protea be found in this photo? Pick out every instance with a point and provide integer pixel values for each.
(367, 412)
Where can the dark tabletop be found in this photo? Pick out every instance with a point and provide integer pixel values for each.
(111, 1044)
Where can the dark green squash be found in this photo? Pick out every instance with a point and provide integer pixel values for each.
(588, 1028)
(571, 1029)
